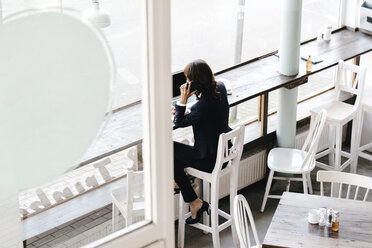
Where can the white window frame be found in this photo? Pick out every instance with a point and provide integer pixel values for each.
(157, 141)
(350, 13)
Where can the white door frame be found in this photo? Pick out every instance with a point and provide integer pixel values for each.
(157, 141)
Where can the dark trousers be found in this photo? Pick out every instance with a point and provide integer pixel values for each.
(185, 156)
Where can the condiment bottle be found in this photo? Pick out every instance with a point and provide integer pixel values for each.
(335, 222)
(308, 65)
(329, 217)
(322, 216)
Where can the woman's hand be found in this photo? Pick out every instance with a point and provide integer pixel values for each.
(185, 92)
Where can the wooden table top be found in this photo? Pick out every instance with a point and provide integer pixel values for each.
(249, 80)
(290, 228)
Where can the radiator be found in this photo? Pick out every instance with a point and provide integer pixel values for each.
(323, 142)
(252, 169)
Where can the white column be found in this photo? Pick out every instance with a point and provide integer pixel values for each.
(287, 113)
(289, 52)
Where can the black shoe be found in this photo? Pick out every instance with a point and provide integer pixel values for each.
(205, 207)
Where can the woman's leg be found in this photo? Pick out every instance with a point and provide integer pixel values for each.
(184, 156)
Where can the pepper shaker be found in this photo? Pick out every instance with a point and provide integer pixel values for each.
(329, 217)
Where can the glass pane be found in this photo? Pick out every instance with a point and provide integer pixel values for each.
(203, 29)
(244, 113)
(262, 24)
(126, 40)
(317, 83)
(197, 28)
(261, 28)
(316, 14)
(76, 208)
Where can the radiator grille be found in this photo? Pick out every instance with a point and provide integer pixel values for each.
(252, 169)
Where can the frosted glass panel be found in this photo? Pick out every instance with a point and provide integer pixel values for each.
(55, 76)
(60, 81)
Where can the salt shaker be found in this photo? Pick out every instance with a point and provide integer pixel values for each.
(322, 216)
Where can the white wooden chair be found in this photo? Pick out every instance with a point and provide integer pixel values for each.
(342, 178)
(225, 154)
(360, 150)
(243, 218)
(350, 79)
(129, 200)
(294, 161)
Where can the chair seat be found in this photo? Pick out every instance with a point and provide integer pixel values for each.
(120, 197)
(199, 174)
(287, 160)
(337, 112)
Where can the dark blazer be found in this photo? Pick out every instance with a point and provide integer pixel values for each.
(208, 119)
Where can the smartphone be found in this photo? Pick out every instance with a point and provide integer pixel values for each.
(193, 86)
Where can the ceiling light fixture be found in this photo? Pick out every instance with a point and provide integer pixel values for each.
(99, 17)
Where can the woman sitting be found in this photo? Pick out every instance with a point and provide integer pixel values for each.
(209, 118)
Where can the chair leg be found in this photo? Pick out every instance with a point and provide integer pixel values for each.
(309, 183)
(181, 223)
(206, 198)
(267, 190)
(338, 156)
(331, 155)
(304, 182)
(233, 193)
(338, 148)
(214, 214)
(356, 134)
(115, 217)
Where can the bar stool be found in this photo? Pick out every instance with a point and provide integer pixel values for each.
(360, 150)
(294, 161)
(231, 156)
(348, 77)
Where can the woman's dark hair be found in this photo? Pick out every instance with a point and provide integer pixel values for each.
(201, 75)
